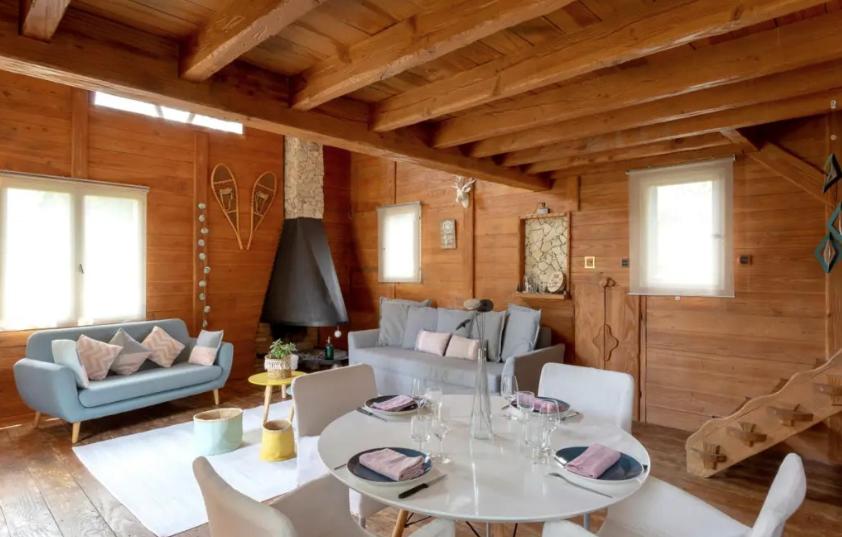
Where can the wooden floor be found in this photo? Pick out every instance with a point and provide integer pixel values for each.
(45, 490)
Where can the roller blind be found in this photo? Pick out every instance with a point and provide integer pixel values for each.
(71, 252)
(681, 240)
(399, 242)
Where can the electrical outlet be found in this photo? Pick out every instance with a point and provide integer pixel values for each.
(590, 262)
(745, 260)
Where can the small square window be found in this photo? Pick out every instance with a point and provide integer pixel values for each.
(680, 230)
(399, 242)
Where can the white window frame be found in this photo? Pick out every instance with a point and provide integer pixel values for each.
(78, 189)
(401, 208)
(642, 184)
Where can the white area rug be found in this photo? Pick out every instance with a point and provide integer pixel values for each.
(151, 472)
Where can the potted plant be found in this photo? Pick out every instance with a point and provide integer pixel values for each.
(279, 362)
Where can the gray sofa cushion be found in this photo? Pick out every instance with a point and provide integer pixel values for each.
(427, 366)
(147, 382)
(521, 331)
(448, 320)
(492, 323)
(418, 319)
(393, 314)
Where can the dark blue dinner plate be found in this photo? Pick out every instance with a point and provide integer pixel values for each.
(381, 398)
(625, 468)
(562, 406)
(357, 469)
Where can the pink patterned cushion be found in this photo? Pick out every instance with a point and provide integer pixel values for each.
(96, 356)
(432, 342)
(202, 355)
(462, 347)
(165, 349)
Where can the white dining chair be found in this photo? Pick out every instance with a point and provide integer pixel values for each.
(662, 510)
(596, 393)
(320, 398)
(300, 513)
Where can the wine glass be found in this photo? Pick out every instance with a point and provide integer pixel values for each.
(525, 400)
(508, 389)
(549, 413)
(419, 429)
(418, 389)
(534, 435)
(433, 395)
(440, 428)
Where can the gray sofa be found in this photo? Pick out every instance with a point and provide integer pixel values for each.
(396, 367)
(49, 388)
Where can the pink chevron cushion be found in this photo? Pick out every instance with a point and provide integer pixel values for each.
(165, 348)
(202, 355)
(96, 356)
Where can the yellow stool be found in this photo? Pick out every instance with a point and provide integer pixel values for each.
(278, 442)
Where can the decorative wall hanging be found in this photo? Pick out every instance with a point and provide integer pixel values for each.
(832, 169)
(262, 195)
(827, 250)
(545, 254)
(448, 234)
(463, 187)
(224, 186)
(202, 252)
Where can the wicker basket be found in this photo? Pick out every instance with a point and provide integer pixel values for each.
(218, 431)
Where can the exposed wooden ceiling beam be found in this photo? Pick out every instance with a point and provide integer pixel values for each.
(789, 47)
(649, 162)
(798, 172)
(770, 88)
(740, 138)
(235, 29)
(665, 147)
(746, 116)
(96, 54)
(417, 40)
(40, 18)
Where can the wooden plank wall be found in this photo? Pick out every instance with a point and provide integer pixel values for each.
(36, 136)
(698, 357)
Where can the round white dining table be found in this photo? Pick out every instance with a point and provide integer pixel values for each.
(487, 481)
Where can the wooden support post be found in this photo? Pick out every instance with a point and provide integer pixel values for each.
(80, 101)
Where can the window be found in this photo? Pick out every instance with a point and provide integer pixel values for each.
(170, 114)
(399, 242)
(71, 252)
(680, 230)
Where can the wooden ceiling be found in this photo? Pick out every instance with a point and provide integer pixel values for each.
(514, 91)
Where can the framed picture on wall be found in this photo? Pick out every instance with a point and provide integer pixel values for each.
(448, 234)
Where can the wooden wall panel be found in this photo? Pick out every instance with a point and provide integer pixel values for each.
(38, 135)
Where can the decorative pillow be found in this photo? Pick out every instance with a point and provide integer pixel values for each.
(521, 331)
(131, 357)
(462, 347)
(165, 348)
(449, 320)
(393, 314)
(432, 342)
(64, 353)
(96, 356)
(492, 327)
(418, 319)
(206, 348)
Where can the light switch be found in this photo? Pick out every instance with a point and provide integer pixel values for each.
(590, 262)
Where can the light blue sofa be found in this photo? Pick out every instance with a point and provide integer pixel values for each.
(50, 389)
(395, 367)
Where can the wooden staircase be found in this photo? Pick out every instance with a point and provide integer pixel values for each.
(807, 398)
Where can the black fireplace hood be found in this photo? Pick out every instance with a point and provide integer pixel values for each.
(304, 289)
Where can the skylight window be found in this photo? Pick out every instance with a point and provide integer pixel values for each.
(165, 112)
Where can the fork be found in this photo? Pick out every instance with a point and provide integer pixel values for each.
(577, 485)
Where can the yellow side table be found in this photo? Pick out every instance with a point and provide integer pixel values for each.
(262, 379)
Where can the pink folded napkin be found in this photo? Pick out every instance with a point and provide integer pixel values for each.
(392, 464)
(594, 461)
(542, 404)
(398, 402)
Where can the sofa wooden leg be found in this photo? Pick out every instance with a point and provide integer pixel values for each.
(74, 436)
(37, 419)
(216, 397)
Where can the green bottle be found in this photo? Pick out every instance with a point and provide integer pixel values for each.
(329, 350)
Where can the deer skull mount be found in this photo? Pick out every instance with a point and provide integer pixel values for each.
(463, 187)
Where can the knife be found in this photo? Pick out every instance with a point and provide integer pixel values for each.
(373, 415)
(418, 488)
